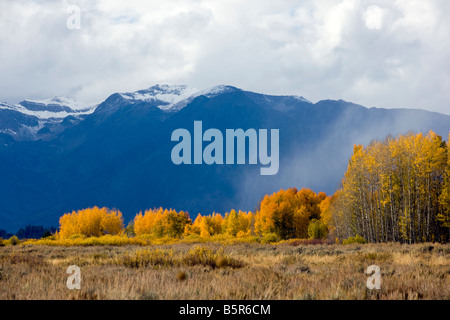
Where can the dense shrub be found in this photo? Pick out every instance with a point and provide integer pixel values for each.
(287, 213)
(317, 229)
(269, 238)
(13, 241)
(355, 239)
(161, 223)
(91, 222)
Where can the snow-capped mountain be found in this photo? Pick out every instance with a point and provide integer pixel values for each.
(56, 108)
(172, 97)
(165, 96)
(31, 119)
(119, 156)
(35, 119)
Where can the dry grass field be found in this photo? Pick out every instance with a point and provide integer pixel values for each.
(214, 271)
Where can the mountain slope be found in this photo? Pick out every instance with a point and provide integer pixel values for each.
(120, 154)
(34, 119)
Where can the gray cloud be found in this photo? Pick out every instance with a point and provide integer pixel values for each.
(376, 53)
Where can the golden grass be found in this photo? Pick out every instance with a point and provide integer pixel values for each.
(218, 271)
(123, 240)
(115, 240)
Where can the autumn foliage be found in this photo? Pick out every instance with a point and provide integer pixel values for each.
(91, 222)
(393, 190)
(161, 223)
(396, 190)
(282, 215)
(288, 213)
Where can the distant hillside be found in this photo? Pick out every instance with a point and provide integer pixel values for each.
(119, 155)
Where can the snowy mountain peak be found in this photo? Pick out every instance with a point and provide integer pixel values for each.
(58, 101)
(216, 90)
(53, 108)
(173, 97)
(165, 95)
(302, 99)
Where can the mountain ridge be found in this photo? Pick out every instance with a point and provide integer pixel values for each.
(119, 155)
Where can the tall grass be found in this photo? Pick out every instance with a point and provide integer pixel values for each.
(165, 258)
(91, 241)
(214, 271)
(120, 240)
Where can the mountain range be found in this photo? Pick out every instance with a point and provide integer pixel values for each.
(57, 155)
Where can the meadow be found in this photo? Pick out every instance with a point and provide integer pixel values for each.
(289, 270)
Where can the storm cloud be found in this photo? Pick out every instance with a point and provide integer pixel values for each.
(391, 54)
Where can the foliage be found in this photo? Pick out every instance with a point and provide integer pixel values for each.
(161, 222)
(281, 215)
(129, 230)
(355, 239)
(317, 229)
(12, 241)
(444, 200)
(269, 238)
(288, 213)
(396, 190)
(91, 222)
(393, 190)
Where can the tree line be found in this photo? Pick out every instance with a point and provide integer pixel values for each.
(29, 232)
(283, 215)
(397, 189)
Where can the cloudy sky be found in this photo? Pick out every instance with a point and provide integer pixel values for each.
(376, 53)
